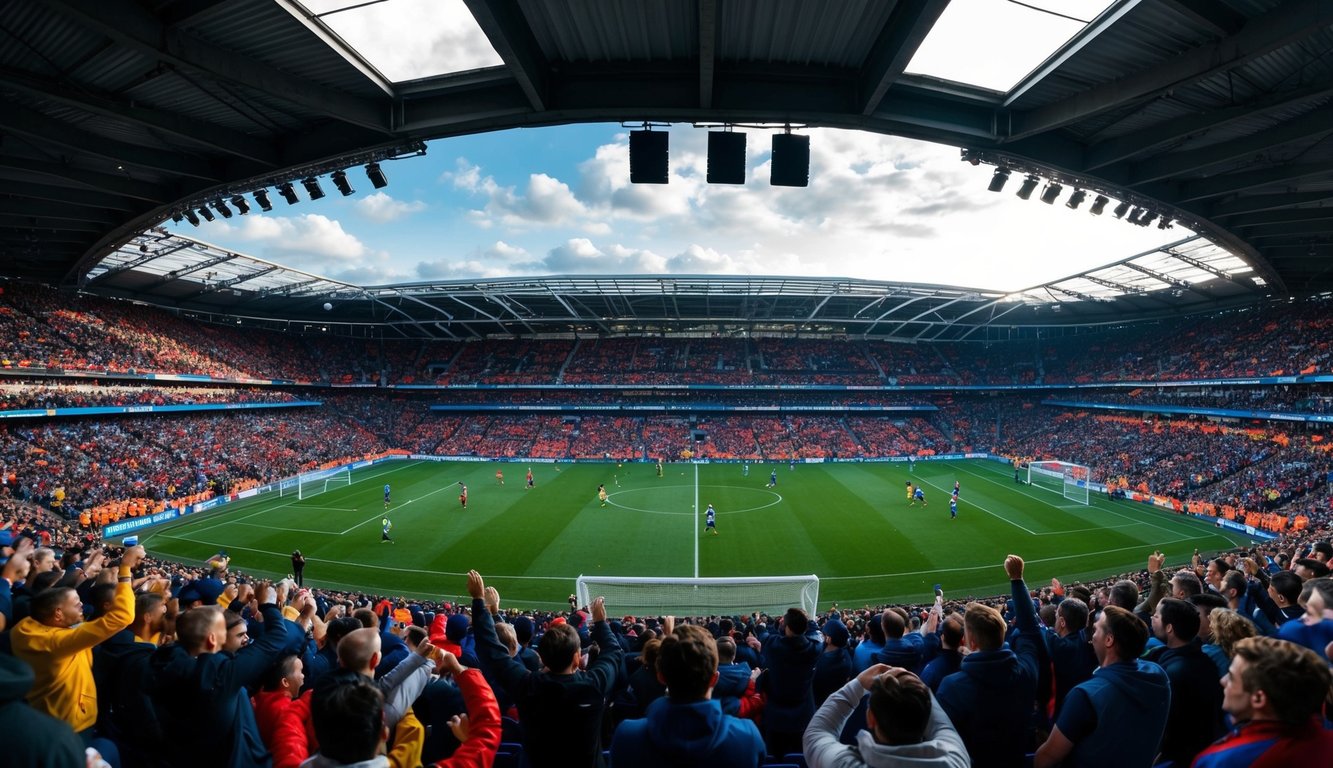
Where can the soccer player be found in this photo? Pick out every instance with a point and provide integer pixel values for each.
(955, 489)
(530, 483)
(386, 496)
(385, 526)
(911, 465)
(499, 477)
(710, 520)
(773, 478)
(919, 495)
(601, 493)
(745, 469)
(462, 494)
(659, 467)
(953, 507)
(909, 492)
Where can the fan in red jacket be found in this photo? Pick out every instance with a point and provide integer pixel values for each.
(479, 729)
(283, 714)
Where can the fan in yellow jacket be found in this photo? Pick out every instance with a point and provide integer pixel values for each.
(57, 643)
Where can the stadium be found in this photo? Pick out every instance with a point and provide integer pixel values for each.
(802, 475)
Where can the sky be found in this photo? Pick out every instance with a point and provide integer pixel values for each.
(557, 200)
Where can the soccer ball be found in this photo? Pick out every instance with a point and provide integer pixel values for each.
(327, 306)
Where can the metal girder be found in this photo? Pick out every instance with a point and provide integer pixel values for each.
(223, 285)
(1017, 306)
(1295, 229)
(930, 310)
(1257, 203)
(128, 24)
(1239, 182)
(34, 124)
(1209, 13)
(1282, 26)
(73, 196)
(707, 51)
(1315, 123)
(140, 261)
(1123, 288)
(1287, 216)
(139, 190)
(907, 26)
(195, 131)
(336, 44)
(818, 307)
(1169, 280)
(16, 221)
(1106, 152)
(505, 27)
(1209, 268)
(1070, 292)
(187, 13)
(1085, 36)
(42, 210)
(496, 298)
(177, 274)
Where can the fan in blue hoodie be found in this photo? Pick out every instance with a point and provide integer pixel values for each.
(687, 727)
(1117, 717)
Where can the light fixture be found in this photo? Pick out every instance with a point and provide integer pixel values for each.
(790, 165)
(726, 157)
(312, 187)
(207, 214)
(1165, 223)
(1052, 191)
(377, 178)
(176, 218)
(998, 179)
(1121, 210)
(340, 181)
(1029, 184)
(192, 217)
(649, 161)
(1134, 215)
(242, 207)
(1098, 205)
(1076, 199)
(1147, 218)
(261, 197)
(288, 194)
(222, 208)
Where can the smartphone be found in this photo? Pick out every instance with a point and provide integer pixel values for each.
(130, 541)
(938, 591)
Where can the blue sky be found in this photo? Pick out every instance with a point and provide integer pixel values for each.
(544, 201)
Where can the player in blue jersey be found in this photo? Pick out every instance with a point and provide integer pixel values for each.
(955, 489)
(710, 520)
(918, 495)
(953, 507)
(773, 478)
(386, 496)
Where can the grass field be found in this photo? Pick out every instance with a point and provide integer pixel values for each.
(847, 523)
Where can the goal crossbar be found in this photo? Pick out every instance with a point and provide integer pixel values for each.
(650, 596)
(1066, 478)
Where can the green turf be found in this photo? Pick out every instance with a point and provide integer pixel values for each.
(847, 523)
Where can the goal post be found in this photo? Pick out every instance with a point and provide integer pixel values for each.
(700, 597)
(1066, 478)
(314, 483)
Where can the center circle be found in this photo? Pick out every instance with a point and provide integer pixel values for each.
(772, 498)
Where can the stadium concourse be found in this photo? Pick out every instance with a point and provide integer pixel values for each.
(113, 412)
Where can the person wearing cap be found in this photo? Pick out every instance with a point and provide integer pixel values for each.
(991, 698)
(833, 668)
(561, 707)
(687, 727)
(1275, 692)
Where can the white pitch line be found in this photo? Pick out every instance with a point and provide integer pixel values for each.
(694, 521)
(993, 514)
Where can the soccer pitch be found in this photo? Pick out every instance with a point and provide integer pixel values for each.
(850, 524)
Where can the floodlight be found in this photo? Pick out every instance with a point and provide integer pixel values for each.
(998, 179)
(1076, 199)
(1134, 215)
(649, 161)
(312, 187)
(1029, 184)
(176, 218)
(207, 214)
(1052, 191)
(340, 181)
(261, 197)
(222, 208)
(1165, 223)
(1147, 218)
(377, 178)
(288, 194)
(192, 217)
(1098, 205)
(242, 207)
(1121, 210)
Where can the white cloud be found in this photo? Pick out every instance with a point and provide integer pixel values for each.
(409, 39)
(307, 241)
(382, 208)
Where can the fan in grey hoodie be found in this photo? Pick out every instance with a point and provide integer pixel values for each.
(905, 725)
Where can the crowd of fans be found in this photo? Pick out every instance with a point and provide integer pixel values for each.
(48, 395)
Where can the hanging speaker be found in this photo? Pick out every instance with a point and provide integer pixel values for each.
(791, 161)
(726, 157)
(648, 157)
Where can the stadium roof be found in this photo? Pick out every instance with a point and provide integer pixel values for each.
(213, 283)
(117, 115)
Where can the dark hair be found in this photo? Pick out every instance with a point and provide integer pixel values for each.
(415, 635)
(99, 595)
(1288, 585)
(796, 620)
(192, 626)
(1209, 600)
(951, 631)
(43, 605)
(894, 622)
(901, 704)
(559, 647)
(1128, 630)
(686, 661)
(1181, 616)
(1188, 581)
(726, 650)
(1075, 612)
(1125, 594)
(338, 629)
(146, 602)
(281, 668)
(1316, 567)
(349, 720)
(366, 618)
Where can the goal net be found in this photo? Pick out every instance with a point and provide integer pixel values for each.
(315, 483)
(700, 597)
(1065, 478)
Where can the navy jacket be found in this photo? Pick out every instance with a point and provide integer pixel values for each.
(695, 733)
(1126, 706)
(789, 671)
(1196, 701)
